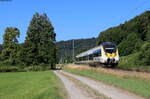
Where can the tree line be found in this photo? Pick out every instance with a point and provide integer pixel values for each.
(65, 48)
(39, 47)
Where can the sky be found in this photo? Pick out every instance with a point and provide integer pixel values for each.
(72, 19)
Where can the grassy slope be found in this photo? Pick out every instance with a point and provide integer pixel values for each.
(129, 63)
(134, 85)
(31, 85)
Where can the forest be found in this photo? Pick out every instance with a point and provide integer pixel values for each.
(133, 41)
(38, 52)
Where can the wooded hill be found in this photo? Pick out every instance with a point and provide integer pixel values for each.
(65, 48)
(132, 38)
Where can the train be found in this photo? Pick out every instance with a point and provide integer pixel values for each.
(106, 54)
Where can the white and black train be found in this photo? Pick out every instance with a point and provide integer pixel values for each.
(106, 53)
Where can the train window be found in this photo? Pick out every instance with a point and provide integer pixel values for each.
(100, 54)
(97, 54)
(110, 50)
(91, 57)
(85, 58)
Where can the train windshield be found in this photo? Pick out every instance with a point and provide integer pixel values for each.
(110, 48)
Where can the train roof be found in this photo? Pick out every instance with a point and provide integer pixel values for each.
(88, 52)
(93, 50)
(107, 43)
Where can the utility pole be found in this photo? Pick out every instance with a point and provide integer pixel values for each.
(73, 51)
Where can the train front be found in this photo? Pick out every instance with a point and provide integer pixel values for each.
(110, 54)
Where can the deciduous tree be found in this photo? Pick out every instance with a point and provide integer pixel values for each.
(40, 41)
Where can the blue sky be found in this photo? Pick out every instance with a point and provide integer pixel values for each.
(72, 19)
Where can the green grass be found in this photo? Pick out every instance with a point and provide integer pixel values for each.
(130, 63)
(31, 85)
(137, 86)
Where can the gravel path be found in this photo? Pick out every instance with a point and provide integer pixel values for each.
(74, 91)
(108, 90)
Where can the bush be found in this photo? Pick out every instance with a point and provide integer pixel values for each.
(131, 62)
(37, 68)
(9, 68)
(144, 56)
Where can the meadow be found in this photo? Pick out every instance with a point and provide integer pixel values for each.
(31, 85)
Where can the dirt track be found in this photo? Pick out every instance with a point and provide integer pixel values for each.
(71, 88)
(77, 92)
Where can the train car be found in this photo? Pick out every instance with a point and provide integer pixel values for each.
(106, 54)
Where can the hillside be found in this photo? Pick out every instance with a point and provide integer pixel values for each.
(132, 38)
(65, 48)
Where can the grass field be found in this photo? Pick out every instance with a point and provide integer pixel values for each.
(135, 85)
(31, 85)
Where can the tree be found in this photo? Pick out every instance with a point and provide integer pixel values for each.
(40, 45)
(130, 45)
(1, 48)
(11, 46)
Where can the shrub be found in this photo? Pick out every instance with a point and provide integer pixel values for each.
(144, 56)
(37, 68)
(8, 68)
